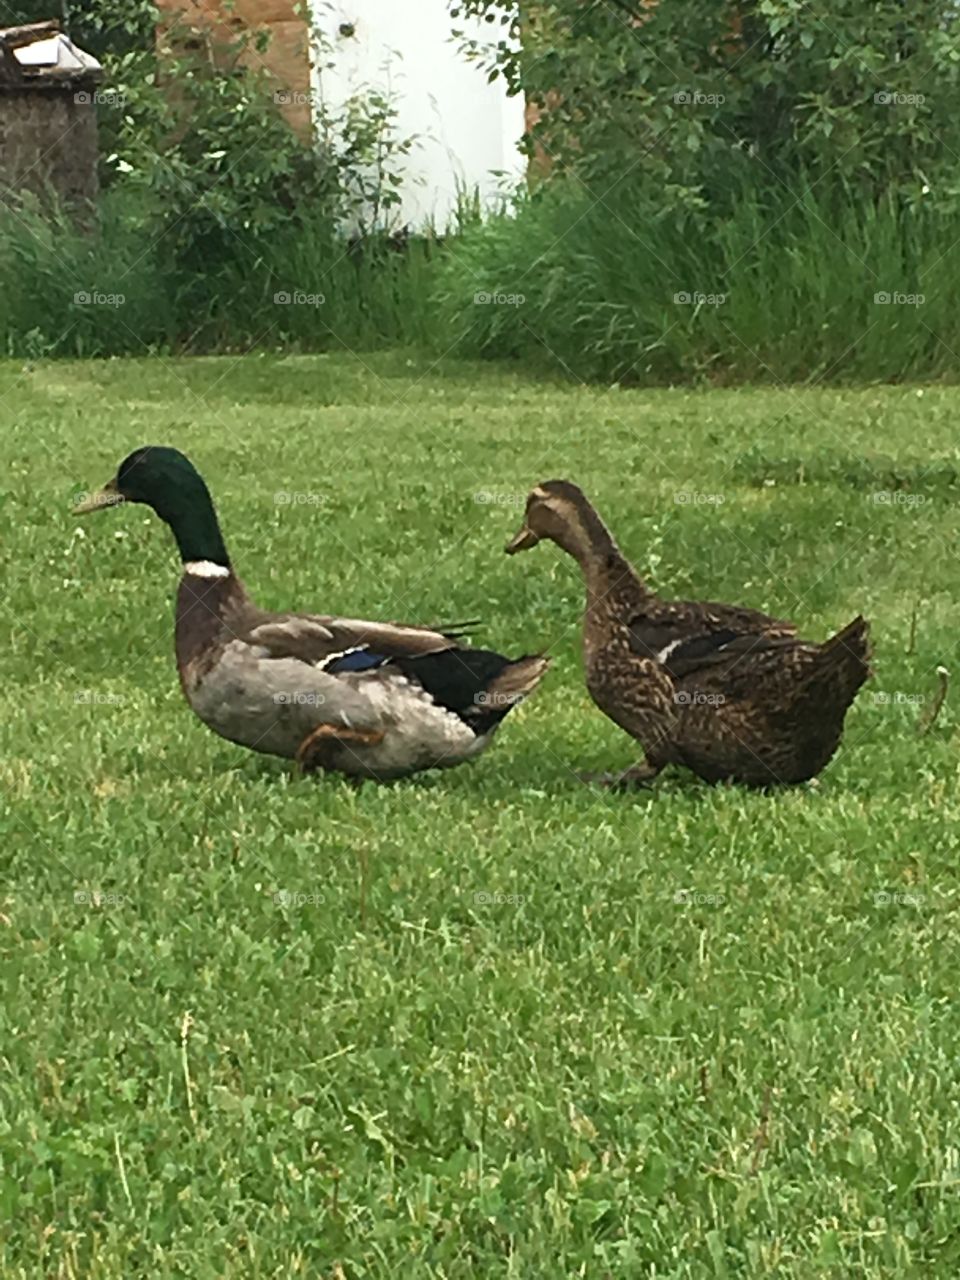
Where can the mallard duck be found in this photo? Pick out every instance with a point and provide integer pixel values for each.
(729, 692)
(368, 699)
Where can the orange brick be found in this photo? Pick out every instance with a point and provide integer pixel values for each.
(287, 57)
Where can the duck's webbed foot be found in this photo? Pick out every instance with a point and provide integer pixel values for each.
(321, 748)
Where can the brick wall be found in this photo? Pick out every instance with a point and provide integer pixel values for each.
(287, 57)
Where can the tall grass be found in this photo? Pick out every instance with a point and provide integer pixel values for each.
(784, 287)
(119, 289)
(66, 291)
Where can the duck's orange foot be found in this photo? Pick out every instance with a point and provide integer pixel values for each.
(318, 748)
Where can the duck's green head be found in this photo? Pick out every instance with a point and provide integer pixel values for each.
(166, 480)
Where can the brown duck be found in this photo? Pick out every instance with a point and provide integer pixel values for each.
(729, 692)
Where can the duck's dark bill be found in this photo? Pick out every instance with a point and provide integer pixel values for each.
(523, 541)
(105, 497)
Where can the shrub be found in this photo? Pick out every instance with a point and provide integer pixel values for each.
(783, 288)
(212, 209)
(698, 98)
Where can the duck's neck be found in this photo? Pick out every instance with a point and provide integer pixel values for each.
(199, 540)
(609, 576)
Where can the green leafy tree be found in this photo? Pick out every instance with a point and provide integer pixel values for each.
(196, 128)
(694, 95)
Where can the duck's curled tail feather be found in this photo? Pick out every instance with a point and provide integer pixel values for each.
(842, 665)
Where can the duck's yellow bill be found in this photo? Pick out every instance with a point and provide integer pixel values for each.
(108, 496)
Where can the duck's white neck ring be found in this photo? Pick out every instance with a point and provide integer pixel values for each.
(205, 569)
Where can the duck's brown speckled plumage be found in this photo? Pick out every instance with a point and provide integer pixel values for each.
(727, 691)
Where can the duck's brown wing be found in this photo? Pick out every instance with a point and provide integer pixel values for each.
(679, 633)
(723, 657)
(842, 660)
(798, 680)
(316, 639)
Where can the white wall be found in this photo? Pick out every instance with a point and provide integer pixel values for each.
(465, 127)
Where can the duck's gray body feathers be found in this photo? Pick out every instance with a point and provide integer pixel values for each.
(258, 679)
(272, 705)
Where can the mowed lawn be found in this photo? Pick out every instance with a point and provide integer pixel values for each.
(497, 1023)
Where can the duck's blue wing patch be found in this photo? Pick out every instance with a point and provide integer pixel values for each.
(353, 660)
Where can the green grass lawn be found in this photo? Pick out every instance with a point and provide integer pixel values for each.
(396, 1077)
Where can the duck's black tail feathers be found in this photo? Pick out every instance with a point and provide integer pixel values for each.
(478, 685)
